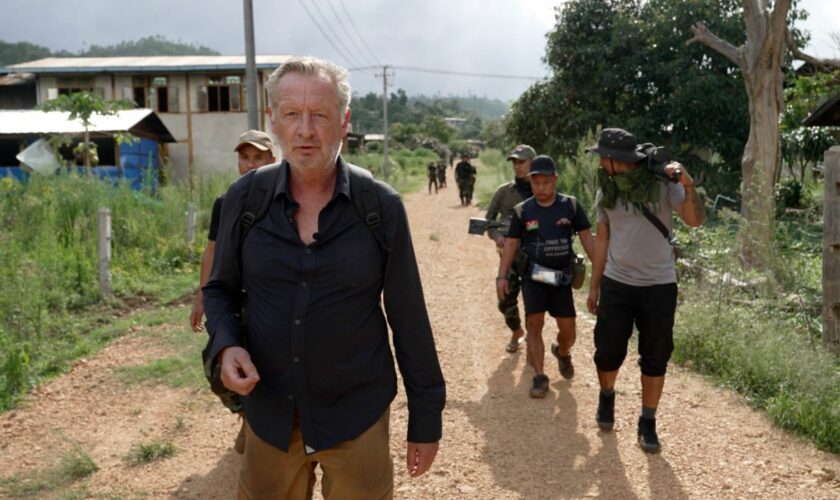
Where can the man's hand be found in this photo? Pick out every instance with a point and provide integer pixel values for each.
(197, 312)
(500, 242)
(502, 288)
(238, 372)
(419, 457)
(592, 301)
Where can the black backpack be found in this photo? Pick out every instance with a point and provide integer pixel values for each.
(362, 195)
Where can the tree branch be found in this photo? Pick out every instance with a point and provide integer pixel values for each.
(798, 54)
(706, 37)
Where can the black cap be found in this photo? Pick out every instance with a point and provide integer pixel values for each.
(543, 165)
(618, 144)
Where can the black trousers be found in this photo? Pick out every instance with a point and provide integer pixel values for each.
(651, 309)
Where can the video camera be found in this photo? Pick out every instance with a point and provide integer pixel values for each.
(479, 225)
(657, 158)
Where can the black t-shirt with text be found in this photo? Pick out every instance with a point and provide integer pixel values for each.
(547, 232)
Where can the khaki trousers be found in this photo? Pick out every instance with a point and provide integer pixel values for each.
(357, 469)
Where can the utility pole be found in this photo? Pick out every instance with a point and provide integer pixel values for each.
(250, 66)
(384, 75)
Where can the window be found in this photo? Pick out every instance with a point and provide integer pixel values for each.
(72, 85)
(152, 92)
(221, 94)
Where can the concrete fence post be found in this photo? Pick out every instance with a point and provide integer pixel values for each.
(104, 245)
(831, 252)
(191, 217)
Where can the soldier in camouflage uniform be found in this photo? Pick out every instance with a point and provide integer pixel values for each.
(507, 196)
(465, 177)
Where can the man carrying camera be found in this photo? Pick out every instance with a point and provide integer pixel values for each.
(633, 274)
(507, 196)
(546, 225)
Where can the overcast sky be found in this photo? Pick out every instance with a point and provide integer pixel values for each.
(501, 37)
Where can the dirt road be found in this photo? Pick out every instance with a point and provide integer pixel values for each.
(498, 443)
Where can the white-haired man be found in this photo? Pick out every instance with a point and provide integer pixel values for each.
(316, 370)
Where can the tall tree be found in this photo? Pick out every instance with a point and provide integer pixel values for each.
(620, 63)
(760, 59)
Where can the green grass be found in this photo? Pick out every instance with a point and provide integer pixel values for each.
(74, 466)
(175, 371)
(144, 453)
(407, 168)
(48, 267)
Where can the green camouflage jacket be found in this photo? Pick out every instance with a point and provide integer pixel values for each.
(501, 208)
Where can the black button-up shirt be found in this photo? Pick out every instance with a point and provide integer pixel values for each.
(316, 329)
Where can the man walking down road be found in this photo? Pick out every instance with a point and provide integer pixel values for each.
(633, 276)
(546, 225)
(254, 150)
(465, 178)
(506, 197)
(316, 368)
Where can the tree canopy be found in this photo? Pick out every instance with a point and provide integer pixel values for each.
(623, 63)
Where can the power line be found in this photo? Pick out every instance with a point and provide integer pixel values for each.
(359, 52)
(361, 38)
(329, 27)
(334, 46)
(463, 73)
(448, 72)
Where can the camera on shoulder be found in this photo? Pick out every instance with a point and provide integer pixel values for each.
(656, 159)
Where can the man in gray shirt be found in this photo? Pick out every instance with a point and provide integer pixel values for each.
(633, 275)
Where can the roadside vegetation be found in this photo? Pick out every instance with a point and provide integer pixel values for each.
(49, 293)
(73, 466)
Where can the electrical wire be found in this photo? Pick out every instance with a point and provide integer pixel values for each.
(335, 34)
(361, 38)
(343, 25)
(334, 46)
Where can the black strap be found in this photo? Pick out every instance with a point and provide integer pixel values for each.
(656, 222)
(260, 193)
(362, 194)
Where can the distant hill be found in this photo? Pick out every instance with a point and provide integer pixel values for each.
(486, 108)
(18, 52)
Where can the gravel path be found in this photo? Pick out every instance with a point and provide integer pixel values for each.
(498, 443)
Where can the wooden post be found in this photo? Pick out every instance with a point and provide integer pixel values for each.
(104, 217)
(191, 216)
(831, 252)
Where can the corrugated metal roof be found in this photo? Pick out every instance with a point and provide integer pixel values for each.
(16, 79)
(144, 64)
(34, 122)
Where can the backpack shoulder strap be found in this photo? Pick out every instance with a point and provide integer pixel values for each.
(656, 222)
(363, 196)
(259, 197)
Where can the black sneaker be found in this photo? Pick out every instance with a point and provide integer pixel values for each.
(564, 363)
(648, 439)
(606, 411)
(540, 387)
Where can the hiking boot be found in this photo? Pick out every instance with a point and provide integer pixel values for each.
(239, 444)
(648, 440)
(564, 363)
(606, 411)
(540, 387)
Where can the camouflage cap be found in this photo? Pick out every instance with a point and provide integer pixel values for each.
(258, 139)
(522, 152)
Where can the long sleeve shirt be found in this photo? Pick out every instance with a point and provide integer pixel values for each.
(316, 330)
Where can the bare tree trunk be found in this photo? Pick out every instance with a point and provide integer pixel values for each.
(86, 151)
(760, 166)
(760, 60)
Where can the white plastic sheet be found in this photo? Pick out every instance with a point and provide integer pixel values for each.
(39, 157)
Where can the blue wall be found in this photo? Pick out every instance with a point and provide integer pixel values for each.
(138, 160)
